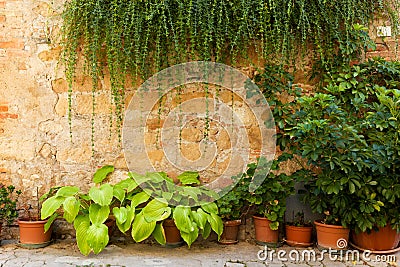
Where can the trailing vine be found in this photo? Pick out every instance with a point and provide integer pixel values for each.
(138, 38)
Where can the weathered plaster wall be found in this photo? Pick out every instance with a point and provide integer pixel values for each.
(35, 145)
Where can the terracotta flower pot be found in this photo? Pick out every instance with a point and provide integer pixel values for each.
(298, 235)
(230, 233)
(263, 233)
(32, 235)
(384, 239)
(332, 236)
(172, 235)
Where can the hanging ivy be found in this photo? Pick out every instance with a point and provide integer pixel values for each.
(141, 37)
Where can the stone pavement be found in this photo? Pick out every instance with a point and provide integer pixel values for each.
(202, 254)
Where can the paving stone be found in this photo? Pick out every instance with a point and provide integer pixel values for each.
(255, 264)
(234, 264)
(17, 262)
(34, 264)
(296, 265)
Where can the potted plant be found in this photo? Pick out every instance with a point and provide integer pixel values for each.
(8, 204)
(32, 232)
(88, 212)
(189, 206)
(233, 207)
(268, 201)
(299, 232)
(347, 132)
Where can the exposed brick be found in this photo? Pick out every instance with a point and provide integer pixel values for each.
(2, 4)
(3, 108)
(2, 18)
(8, 116)
(4, 170)
(15, 43)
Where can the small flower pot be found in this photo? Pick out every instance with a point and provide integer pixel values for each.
(298, 235)
(332, 236)
(382, 240)
(263, 233)
(230, 233)
(172, 235)
(32, 235)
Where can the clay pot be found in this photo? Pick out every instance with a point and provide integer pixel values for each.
(172, 235)
(263, 232)
(332, 236)
(298, 235)
(31, 233)
(384, 239)
(230, 233)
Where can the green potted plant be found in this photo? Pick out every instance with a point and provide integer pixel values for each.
(347, 132)
(32, 232)
(233, 207)
(88, 212)
(189, 206)
(268, 201)
(298, 232)
(8, 204)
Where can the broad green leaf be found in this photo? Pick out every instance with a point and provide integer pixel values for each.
(189, 178)
(50, 206)
(159, 234)
(139, 198)
(81, 225)
(141, 229)
(155, 177)
(121, 214)
(97, 237)
(182, 217)
(130, 215)
(98, 214)
(156, 210)
(49, 222)
(102, 173)
(128, 184)
(190, 237)
(119, 193)
(103, 195)
(206, 231)
(138, 178)
(210, 207)
(71, 208)
(67, 191)
(200, 217)
(216, 224)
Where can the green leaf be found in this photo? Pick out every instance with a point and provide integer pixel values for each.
(210, 207)
(81, 225)
(49, 222)
(141, 229)
(159, 234)
(206, 231)
(121, 214)
(67, 191)
(200, 217)
(139, 198)
(97, 237)
(156, 210)
(71, 208)
(102, 173)
(190, 237)
(216, 224)
(50, 206)
(189, 178)
(124, 217)
(103, 195)
(98, 214)
(182, 217)
(119, 193)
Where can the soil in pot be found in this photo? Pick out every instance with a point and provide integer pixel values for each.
(299, 235)
(332, 236)
(172, 235)
(264, 234)
(384, 239)
(32, 235)
(230, 233)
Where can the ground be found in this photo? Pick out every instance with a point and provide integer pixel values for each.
(63, 253)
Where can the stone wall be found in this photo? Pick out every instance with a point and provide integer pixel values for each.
(36, 148)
